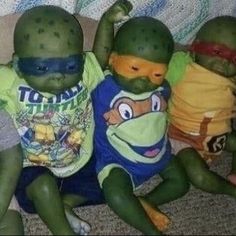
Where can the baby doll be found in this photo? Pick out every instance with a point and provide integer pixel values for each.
(47, 92)
(131, 143)
(10, 167)
(203, 103)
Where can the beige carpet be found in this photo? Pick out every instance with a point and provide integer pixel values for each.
(197, 213)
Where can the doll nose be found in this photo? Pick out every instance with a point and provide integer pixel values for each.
(58, 76)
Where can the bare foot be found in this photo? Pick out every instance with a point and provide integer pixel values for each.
(79, 226)
(232, 178)
(159, 219)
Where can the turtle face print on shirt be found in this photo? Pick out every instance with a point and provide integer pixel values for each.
(136, 125)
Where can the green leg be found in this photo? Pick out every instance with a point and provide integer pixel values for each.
(46, 198)
(174, 185)
(12, 224)
(70, 201)
(233, 167)
(118, 192)
(200, 175)
(73, 200)
(231, 147)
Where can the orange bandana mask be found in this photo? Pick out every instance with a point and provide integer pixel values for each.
(133, 67)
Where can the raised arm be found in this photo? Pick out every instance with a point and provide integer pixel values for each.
(105, 32)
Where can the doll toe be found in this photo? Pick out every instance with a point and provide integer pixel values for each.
(159, 219)
(232, 178)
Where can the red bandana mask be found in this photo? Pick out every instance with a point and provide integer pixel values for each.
(215, 50)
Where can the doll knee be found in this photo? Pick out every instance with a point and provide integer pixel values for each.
(198, 179)
(182, 186)
(40, 186)
(176, 173)
(115, 197)
(117, 187)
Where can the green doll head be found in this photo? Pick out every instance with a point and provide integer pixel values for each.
(48, 44)
(142, 49)
(215, 46)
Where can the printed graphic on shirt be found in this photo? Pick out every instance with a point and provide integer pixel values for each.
(215, 144)
(52, 129)
(136, 128)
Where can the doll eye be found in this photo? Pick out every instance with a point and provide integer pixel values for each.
(125, 111)
(42, 68)
(156, 103)
(134, 68)
(71, 67)
(157, 74)
(217, 51)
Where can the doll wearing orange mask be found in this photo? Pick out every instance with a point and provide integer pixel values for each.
(131, 143)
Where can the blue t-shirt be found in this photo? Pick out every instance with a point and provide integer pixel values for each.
(130, 131)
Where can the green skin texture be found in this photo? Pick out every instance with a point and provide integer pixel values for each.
(117, 187)
(66, 38)
(46, 32)
(30, 33)
(11, 161)
(220, 30)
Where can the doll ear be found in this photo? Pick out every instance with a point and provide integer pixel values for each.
(111, 58)
(15, 60)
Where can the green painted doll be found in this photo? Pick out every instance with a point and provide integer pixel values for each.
(202, 104)
(46, 90)
(131, 143)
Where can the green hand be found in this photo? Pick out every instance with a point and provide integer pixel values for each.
(105, 32)
(119, 11)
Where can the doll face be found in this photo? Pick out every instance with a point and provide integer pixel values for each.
(137, 75)
(48, 44)
(142, 49)
(52, 75)
(216, 57)
(215, 46)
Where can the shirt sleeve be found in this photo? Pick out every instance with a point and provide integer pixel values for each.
(93, 73)
(177, 67)
(7, 77)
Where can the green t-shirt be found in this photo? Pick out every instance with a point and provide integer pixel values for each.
(56, 130)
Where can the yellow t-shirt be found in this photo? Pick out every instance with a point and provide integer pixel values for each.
(202, 102)
(201, 106)
(56, 130)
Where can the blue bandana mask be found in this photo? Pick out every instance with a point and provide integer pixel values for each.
(40, 67)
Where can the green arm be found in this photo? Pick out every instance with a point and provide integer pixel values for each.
(11, 162)
(103, 41)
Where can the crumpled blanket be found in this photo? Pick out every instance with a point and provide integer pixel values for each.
(183, 17)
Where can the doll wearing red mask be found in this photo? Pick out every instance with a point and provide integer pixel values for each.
(203, 104)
